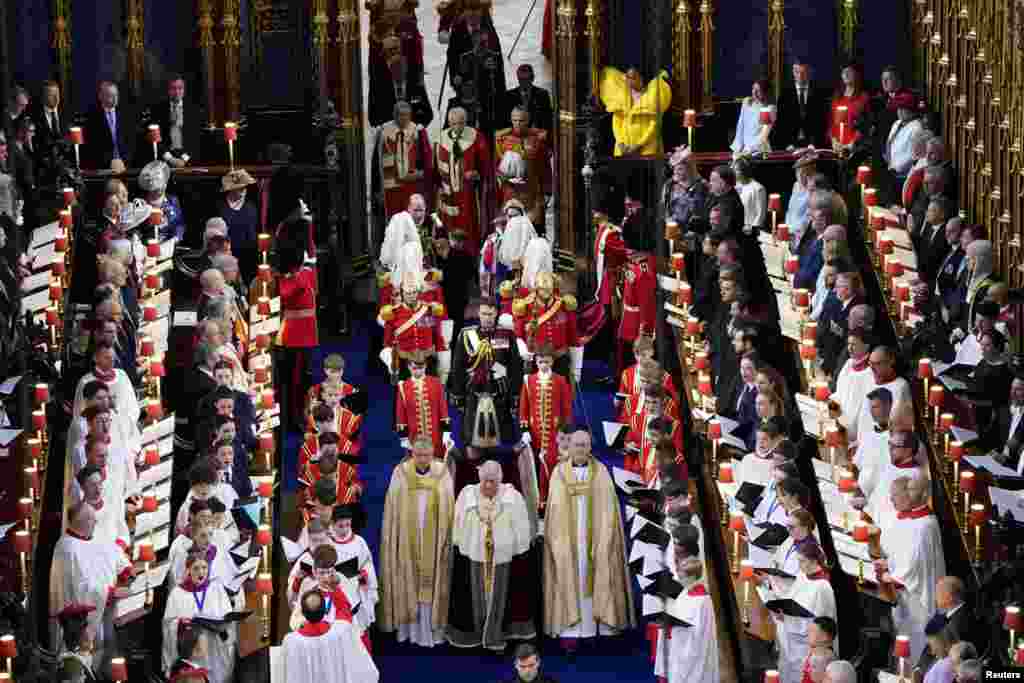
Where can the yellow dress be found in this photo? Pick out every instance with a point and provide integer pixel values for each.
(635, 123)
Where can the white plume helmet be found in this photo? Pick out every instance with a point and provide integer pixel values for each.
(400, 231)
(536, 260)
(512, 166)
(408, 264)
(517, 235)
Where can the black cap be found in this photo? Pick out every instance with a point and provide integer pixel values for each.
(936, 625)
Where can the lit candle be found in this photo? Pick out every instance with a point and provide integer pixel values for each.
(118, 669)
(725, 474)
(863, 175)
(870, 197)
(690, 118)
(69, 196)
(230, 131)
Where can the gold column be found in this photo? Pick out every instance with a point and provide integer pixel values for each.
(565, 65)
(682, 30)
(135, 44)
(258, 16)
(348, 33)
(707, 30)
(321, 41)
(595, 39)
(231, 42)
(776, 35)
(206, 43)
(61, 44)
(848, 21)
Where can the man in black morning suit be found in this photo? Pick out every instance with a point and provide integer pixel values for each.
(803, 112)
(180, 122)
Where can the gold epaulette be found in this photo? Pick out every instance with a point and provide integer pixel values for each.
(387, 313)
(519, 307)
(507, 289)
(569, 302)
(503, 132)
(434, 275)
(437, 309)
(383, 279)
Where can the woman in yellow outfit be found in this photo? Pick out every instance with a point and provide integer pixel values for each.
(636, 110)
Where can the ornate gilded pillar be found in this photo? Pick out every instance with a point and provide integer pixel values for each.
(595, 38)
(776, 41)
(565, 80)
(61, 44)
(351, 144)
(231, 42)
(135, 44)
(205, 25)
(321, 45)
(682, 35)
(848, 21)
(259, 17)
(707, 30)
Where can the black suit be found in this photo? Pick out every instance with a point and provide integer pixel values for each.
(192, 120)
(98, 150)
(801, 124)
(47, 136)
(537, 103)
(384, 96)
(961, 626)
(932, 249)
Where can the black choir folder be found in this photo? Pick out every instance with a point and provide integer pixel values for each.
(664, 585)
(349, 568)
(750, 494)
(773, 536)
(788, 607)
(670, 621)
(772, 571)
(655, 535)
(218, 626)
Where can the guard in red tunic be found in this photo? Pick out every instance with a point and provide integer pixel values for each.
(523, 158)
(464, 178)
(421, 409)
(297, 286)
(542, 319)
(545, 404)
(639, 289)
(413, 327)
(403, 161)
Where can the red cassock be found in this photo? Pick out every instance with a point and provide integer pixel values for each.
(553, 324)
(349, 486)
(403, 153)
(533, 147)
(629, 386)
(609, 255)
(460, 199)
(422, 409)
(409, 330)
(644, 461)
(543, 408)
(298, 308)
(315, 393)
(639, 303)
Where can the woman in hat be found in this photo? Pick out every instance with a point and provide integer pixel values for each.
(242, 219)
(798, 211)
(153, 182)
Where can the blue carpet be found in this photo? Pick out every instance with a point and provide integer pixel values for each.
(605, 660)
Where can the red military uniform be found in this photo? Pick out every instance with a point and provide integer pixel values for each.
(298, 308)
(421, 409)
(609, 257)
(540, 324)
(402, 154)
(543, 408)
(639, 303)
(314, 395)
(387, 295)
(460, 200)
(533, 147)
(408, 330)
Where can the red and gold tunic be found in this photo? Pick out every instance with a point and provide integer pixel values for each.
(609, 257)
(315, 394)
(629, 386)
(403, 153)
(298, 308)
(533, 147)
(544, 406)
(421, 409)
(633, 406)
(639, 302)
(644, 460)
(408, 330)
(459, 198)
(542, 324)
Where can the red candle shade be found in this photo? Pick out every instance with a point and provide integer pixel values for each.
(263, 535)
(863, 175)
(267, 399)
(22, 542)
(935, 396)
(264, 273)
(924, 368)
(149, 503)
(725, 473)
(808, 350)
(118, 669)
(58, 268)
(262, 341)
(833, 437)
(693, 327)
(701, 360)
(736, 522)
(154, 409)
(822, 392)
(714, 430)
(810, 331)
(870, 197)
(802, 297)
(69, 195)
(152, 457)
(967, 481)
(264, 306)
(266, 442)
(75, 135)
(153, 281)
(771, 676)
(154, 133)
(901, 648)
(230, 131)
(746, 570)
(1012, 618)
(52, 316)
(60, 244)
(1019, 657)
(156, 368)
(38, 420)
(8, 646)
(842, 115)
(42, 393)
(149, 313)
(775, 202)
(690, 118)
(35, 447)
(55, 291)
(148, 346)
(956, 450)
(264, 585)
(146, 553)
(902, 292)
(885, 246)
(782, 232)
(263, 240)
(893, 267)
(156, 216)
(978, 514)
(261, 376)
(765, 117)
(704, 384)
(65, 218)
(266, 489)
(678, 262)
(847, 484)
(946, 421)
(686, 293)
(792, 265)
(876, 222)
(153, 249)
(860, 532)
(24, 510)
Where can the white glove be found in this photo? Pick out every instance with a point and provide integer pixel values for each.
(406, 445)
(380, 321)
(447, 327)
(526, 440)
(447, 441)
(385, 357)
(576, 353)
(523, 351)
(505, 321)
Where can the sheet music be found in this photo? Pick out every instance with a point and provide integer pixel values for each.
(1006, 501)
(809, 412)
(167, 249)
(36, 302)
(36, 281)
(822, 469)
(612, 431)
(129, 604)
(7, 388)
(44, 256)
(162, 539)
(186, 318)
(9, 435)
(845, 545)
(669, 284)
(147, 521)
(268, 326)
(969, 352)
(623, 479)
(964, 435)
(158, 430)
(753, 469)
(653, 557)
(160, 331)
(292, 550)
(245, 572)
(166, 446)
(157, 473)
(836, 505)
(44, 234)
(989, 464)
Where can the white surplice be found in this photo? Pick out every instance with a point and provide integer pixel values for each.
(852, 387)
(871, 458)
(222, 569)
(221, 654)
(879, 506)
(690, 655)
(900, 391)
(222, 492)
(337, 656)
(362, 596)
(126, 407)
(816, 596)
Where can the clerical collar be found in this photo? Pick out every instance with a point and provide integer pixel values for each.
(104, 375)
(861, 364)
(820, 575)
(908, 465)
(916, 513)
(348, 539)
(315, 629)
(74, 534)
(697, 591)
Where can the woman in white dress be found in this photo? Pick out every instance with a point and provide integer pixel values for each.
(752, 194)
(198, 596)
(751, 135)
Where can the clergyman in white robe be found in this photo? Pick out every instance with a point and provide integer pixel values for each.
(689, 654)
(813, 593)
(322, 652)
